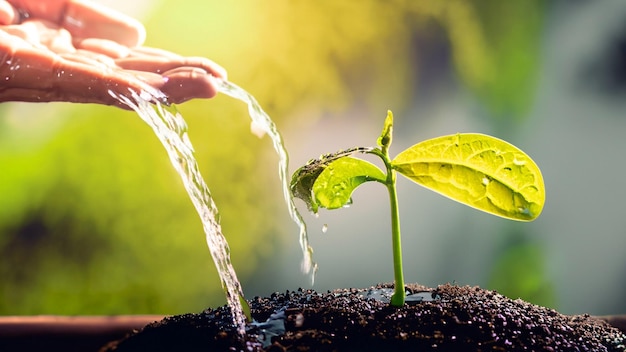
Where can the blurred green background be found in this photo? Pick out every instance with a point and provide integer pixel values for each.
(94, 220)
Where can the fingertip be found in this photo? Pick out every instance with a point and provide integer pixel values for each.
(137, 29)
(221, 72)
(7, 13)
(181, 86)
(141, 33)
(206, 64)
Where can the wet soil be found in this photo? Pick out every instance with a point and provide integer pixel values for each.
(448, 318)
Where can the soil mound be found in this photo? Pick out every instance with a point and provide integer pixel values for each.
(447, 318)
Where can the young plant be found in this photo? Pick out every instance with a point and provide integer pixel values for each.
(477, 170)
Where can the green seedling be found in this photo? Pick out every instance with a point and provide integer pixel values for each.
(477, 170)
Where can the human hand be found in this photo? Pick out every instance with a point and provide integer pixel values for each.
(82, 52)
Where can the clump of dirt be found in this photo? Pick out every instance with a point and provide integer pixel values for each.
(448, 318)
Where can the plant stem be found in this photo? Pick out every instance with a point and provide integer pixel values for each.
(397, 300)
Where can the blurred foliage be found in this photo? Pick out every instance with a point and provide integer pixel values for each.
(93, 220)
(519, 272)
(329, 60)
(495, 46)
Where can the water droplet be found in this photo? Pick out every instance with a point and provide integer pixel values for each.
(257, 129)
(519, 162)
(486, 180)
(324, 228)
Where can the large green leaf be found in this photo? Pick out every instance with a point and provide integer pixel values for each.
(334, 186)
(481, 171)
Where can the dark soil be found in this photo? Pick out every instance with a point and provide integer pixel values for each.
(448, 318)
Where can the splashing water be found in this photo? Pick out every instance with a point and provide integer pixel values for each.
(261, 122)
(171, 129)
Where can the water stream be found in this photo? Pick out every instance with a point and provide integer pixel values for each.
(261, 121)
(171, 129)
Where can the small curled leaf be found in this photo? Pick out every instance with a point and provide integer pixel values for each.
(302, 183)
(481, 171)
(384, 141)
(304, 178)
(335, 185)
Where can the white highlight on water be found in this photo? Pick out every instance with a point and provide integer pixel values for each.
(171, 129)
(261, 122)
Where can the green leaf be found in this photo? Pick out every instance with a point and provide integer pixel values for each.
(303, 179)
(480, 171)
(334, 186)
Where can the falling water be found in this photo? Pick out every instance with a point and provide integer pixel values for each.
(261, 121)
(171, 129)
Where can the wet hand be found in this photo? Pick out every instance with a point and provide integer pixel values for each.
(74, 51)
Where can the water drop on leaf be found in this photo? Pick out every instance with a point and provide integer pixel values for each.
(518, 162)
